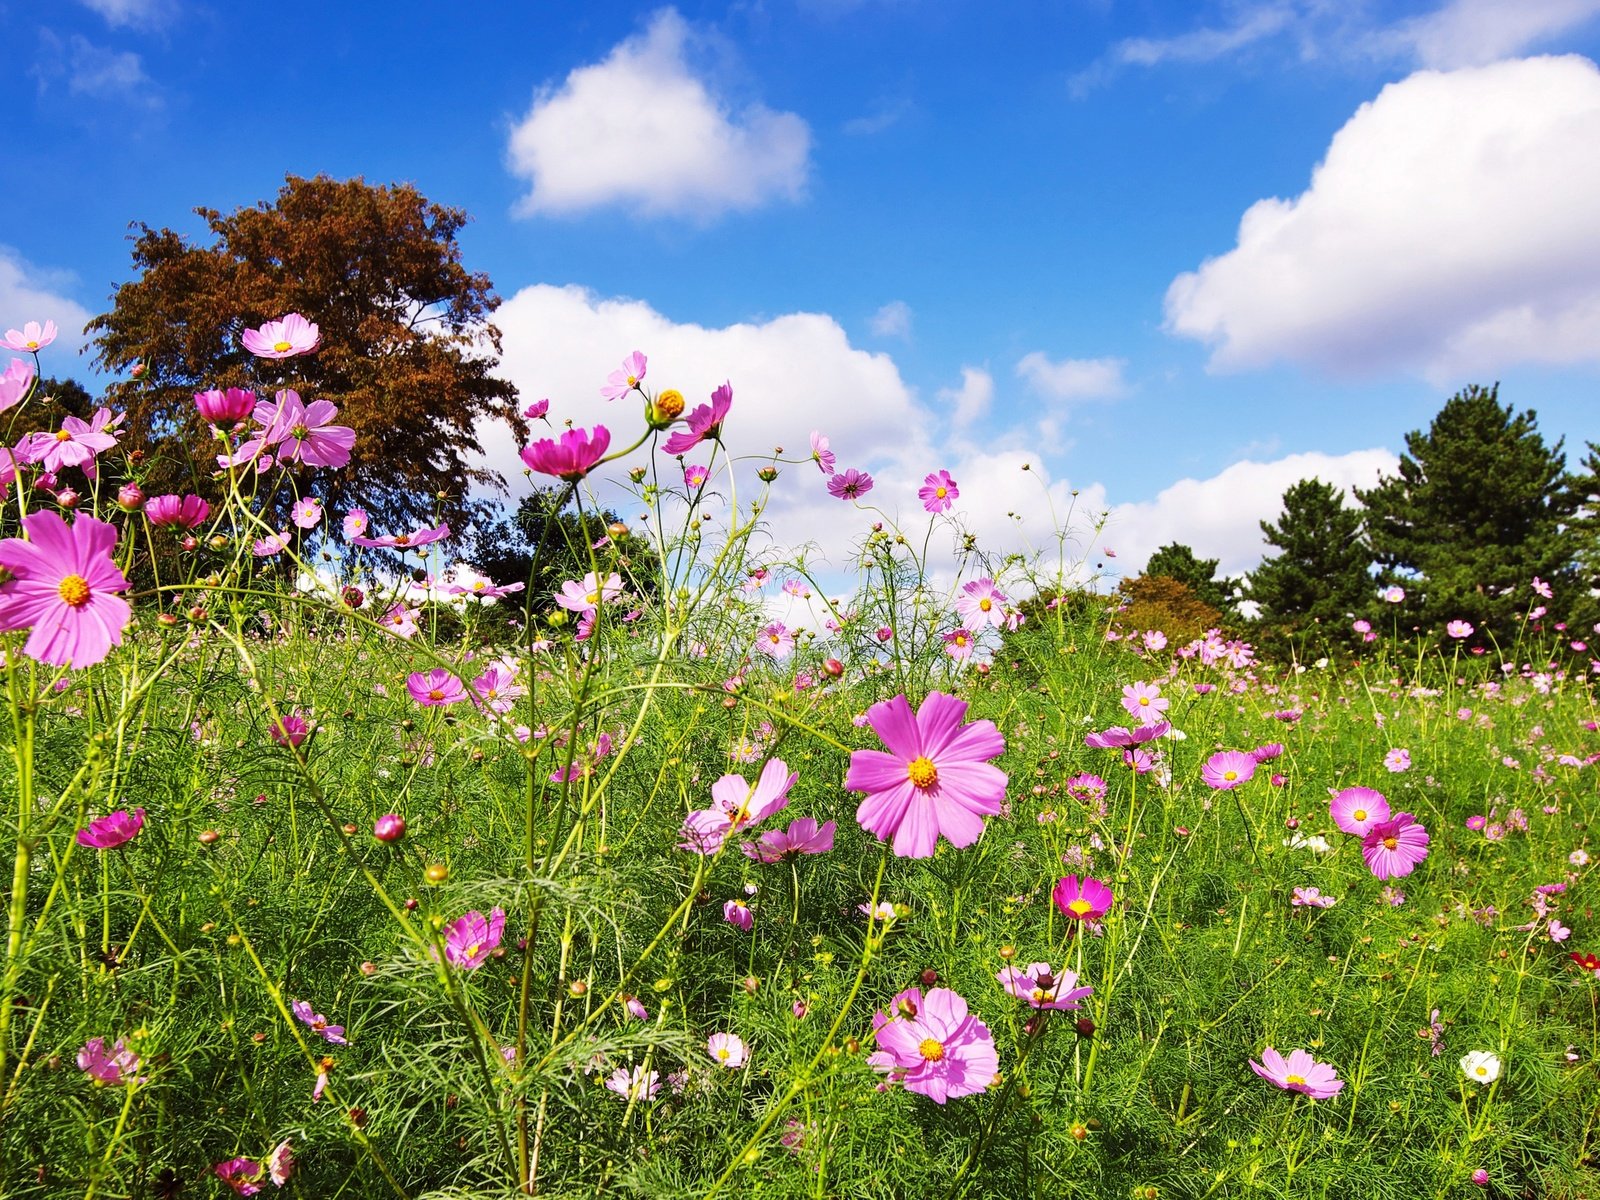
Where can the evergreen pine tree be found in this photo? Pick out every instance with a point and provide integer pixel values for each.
(1178, 561)
(1479, 508)
(1322, 576)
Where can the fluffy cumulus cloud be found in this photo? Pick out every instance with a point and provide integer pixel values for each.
(1453, 228)
(971, 400)
(29, 293)
(1220, 517)
(643, 130)
(1072, 379)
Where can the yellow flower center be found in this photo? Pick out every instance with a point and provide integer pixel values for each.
(931, 1049)
(985, 604)
(1080, 907)
(74, 590)
(722, 1051)
(1143, 700)
(435, 694)
(1390, 843)
(1230, 776)
(594, 598)
(1293, 1079)
(941, 492)
(922, 772)
(63, 436)
(282, 347)
(33, 345)
(471, 951)
(1040, 994)
(633, 381)
(1360, 814)
(1481, 1069)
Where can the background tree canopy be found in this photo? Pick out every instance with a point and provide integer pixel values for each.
(408, 353)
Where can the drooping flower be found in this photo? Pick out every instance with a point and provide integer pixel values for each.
(434, 688)
(225, 409)
(1085, 900)
(61, 586)
(982, 603)
(470, 939)
(1227, 769)
(302, 432)
(727, 1050)
(935, 778)
(75, 444)
(1117, 736)
(285, 338)
(637, 1084)
(850, 485)
(113, 1066)
(625, 378)
(737, 913)
(241, 1174)
(704, 421)
(1357, 809)
(938, 492)
(1394, 848)
(32, 337)
(820, 454)
(1301, 1073)
(571, 456)
(14, 384)
(304, 1013)
(176, 512)
(112, 830)
(1481, 1066)
(1043, 987)
(1145, 702)
(803, 836)
(939, 1050)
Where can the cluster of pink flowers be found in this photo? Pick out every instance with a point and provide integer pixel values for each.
(737, 805)
(1392, 846)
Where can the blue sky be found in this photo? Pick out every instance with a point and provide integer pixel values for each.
(948, 234)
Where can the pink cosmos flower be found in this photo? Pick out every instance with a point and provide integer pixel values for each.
(1086, 789)
(727, 1050)
(775, 641)
(938, 492)
(112, 830)
(112, 1066)
(1397, 760)
(638, 1084)
(1144, 701)
(1361, 625)
(61, 587)
(850, 485)
(1310, 897)
(1459, 629)
(435, 688)
(483, 589)
(302, 433)
(280, 1164)
(1301, 1073)
(737, 912)
(497, 689)
(935, 778)
(75, 444)
(267, 547)
(737, 804)
(1043, 987)
(537, 410)
(1086, 900)
(241, 1174)
(704, 422)
(307, 513)
(589, 594)
(1394, 848)
(981, 603)
(625, 378)
(941, 1052)
(694, 476)
(176, 512)
(225, 409)
(1268, 752)
(400, 621)
(291, 729)
(803, 836)
(319, 1024)
(1357, 809)
(282, 339)
(417, 538)
(32, 337)
(1227, 769)
(14, 384)
(470, 939)
(1394, 595)
(355, 523)
(820, 454)
(1539, 586)
(1116, 736)
(958, 644)
(571, 456)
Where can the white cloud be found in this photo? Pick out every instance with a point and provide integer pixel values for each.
(28, 293)
(892, 320)
(971, 400)
(1453, 228)
(93, 71)
(641, 129)
(134, 13)
(884, 116)
(1204, 45)
(1470, 33)
(1220, 517)
(1073, 378)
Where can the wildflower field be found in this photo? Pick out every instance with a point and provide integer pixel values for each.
(336, 875)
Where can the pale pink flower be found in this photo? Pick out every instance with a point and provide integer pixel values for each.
(32, 337)
(625, 378)
(938, 1050)
(435, 688)
(638, 1084)
(775, 641)
(727, 1050)
(113, 1066)
(1300, 1073)
(1355, 810)
(1397, 760)
(820, 454)
(1043, 987)
(75, 444)
(982, 603)
(1145, 701)
(14, 384)
(307, 513)
(283, 338)
(1459, 629)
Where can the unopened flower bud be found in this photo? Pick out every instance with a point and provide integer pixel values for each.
(130, 498)
(67, 498)
(390, 827)
(436, 873)
(833, 667)
(208, 837)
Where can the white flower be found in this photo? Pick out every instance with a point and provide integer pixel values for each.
(1481, 1066)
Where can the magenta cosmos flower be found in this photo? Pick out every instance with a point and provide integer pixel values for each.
(225, 409)
(1395, 847)
(32, 337)
(1043, 987)
(282, 339)
(417, 538)
(471, 938)
(704, 422)
(176, 512)
(820, 454)
(850, 485)
(981, 603)
(935, 778)
(112, 830)
(571, 456)
(737, 804)
(1227, 769)
(61, 587)
(112, 1066)
(938, 1049)
(1088, 900)
(75, 444)
(14, 384)
(1357, 809)
(1301, 1073)
(938, 492)
(626, 377)
(302, 433)
(241, 1174)
(318, 1023)
(803, 836)
(434, 688)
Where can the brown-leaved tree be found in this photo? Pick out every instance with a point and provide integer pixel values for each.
(407, 351)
